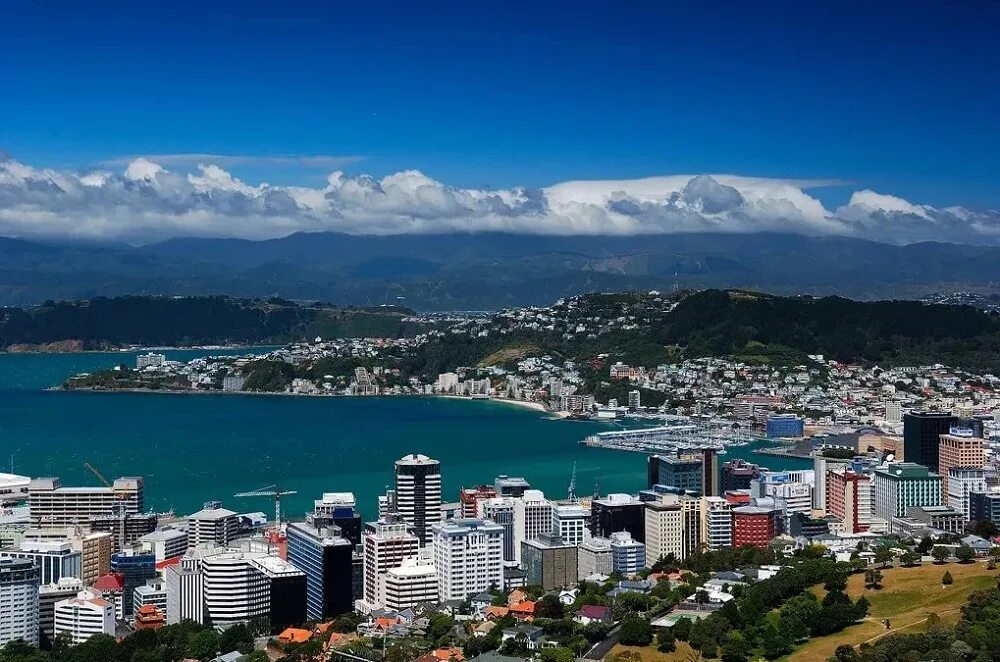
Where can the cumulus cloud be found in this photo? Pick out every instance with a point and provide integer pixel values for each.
(148, 199)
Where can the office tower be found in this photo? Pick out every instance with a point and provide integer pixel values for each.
(19, 581)
(784, 425)
(55, 558)
(673, 526)
(794, 488)
(569, 522)
(755, 525)
(185, 591)
(618, 512)
(985, 505)
(922, 432)
(549, 561)
(821, 468)
(341, 508)
(151, 594)
(501, 511)
(737, 474)
(317, 548)
(48, 596)
(716, 522)
(628, 556)
(849, 497)
(532, 517)
(234, 590)
(125, 530)
(135, 569)
(963, 481)
(84, 616)
(800, 524)
(893, 412)
(286, 591)
(412, 583)
(212, 524)
(709, 472)
(634, 399)
(165, 543)
(594, 557)
(469, 498)
(904, 485)
(53, 506)
(468, 556)
(959, 449)
(95, 556)
(386, 543)
(418, 493)
(683, 472)
(510, 486)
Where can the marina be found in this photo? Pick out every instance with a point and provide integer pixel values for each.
(676, 433)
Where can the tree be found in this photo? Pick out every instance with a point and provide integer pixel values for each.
(836, 582)
(665, 641)
(925, 545)
(736, 648)
(682, 628)
(873, 578)
(964, 554)
(774, 643)
(258, 656)
(557, 654)
(549, 607)
(883, 555)
(236, 638)
(985, 528)
(946, 578)
(909, 559)
(635, 631)
(204, 645)
(710, 649)
(940, 554)
(845, 653)
(995, 552)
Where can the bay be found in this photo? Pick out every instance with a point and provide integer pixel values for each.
(199, 447)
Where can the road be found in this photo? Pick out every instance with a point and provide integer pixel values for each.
(603, 647)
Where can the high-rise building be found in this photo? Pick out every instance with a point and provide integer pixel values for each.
(822, 465)
(673, 526)
(235, 591)
(468, 556)
(317, 548)
(510, 486)
(594, 557)
(469, 498)
(849, 498)
(922, 432)
(48, 596)
(985, 506)
(286, 591)
(418, 493)
(634, 399)
(185, 590)
(412, 583)
(755, 525)
(959, 449)
(549, 561)
(55, 558)
(19, 581)
(893, 412)
(84, 616)
(342, 509)
(95, 556)
(794, 488)
(628, 556)
(737, 474)
(716, 522)
(135, 569)
(501, 511)
(682, 472)
(213, 524)
(963, 481)
(126, 530)
(904, 485)
(532, 517)
(709, 472)
(387, 543)
(165, 543)
(618, 512)
(53, 506)
(569, 522)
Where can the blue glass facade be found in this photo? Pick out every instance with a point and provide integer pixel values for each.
(135, 570)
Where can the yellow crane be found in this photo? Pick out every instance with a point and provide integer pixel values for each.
(122, 510)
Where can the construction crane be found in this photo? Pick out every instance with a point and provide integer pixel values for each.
(121, 496)
(270, 491)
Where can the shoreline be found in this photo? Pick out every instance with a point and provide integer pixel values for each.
(127, 350)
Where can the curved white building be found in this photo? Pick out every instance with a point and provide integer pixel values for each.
(234, 591)
(83, 617)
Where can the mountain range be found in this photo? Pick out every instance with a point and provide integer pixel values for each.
(483, 271)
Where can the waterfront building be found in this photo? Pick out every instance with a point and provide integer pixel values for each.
(922, 432)
(386, 544)
(149, 360)
(234, 590)
(19, 581)
(95, 555)
(418, 494)
(716, 522)
(412, 583)
(903, 485)
(126, 530)
(469, 498)
(985, 505)
(618, 512)
(682, 472)
(962, 482)
(213, 524)
(628, 556)
(958, 449)
(784, 425)
(468, 556)
(737, 475)
(136, 569)
(52, 506)
(501, 511)
(850, 498)
(342, 509)
(673, 526)
(549, 561)
(48, 596)
(569, 522)
(80, 618)
(165, 543)
(594, 557)
(286, 591)
(510, 486)
(55, 558)
(755, 525)
(317, 548)
(13, 488)
(532, 517)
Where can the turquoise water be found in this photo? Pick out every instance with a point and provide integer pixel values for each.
(192, 448)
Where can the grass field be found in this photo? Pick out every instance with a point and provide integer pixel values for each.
(907, 597)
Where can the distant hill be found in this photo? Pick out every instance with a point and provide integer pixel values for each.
(488, 270)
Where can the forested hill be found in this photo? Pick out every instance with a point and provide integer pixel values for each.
(148, 320)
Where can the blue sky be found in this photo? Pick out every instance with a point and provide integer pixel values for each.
(497, 94)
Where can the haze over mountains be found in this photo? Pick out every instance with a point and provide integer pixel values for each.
(478, 271)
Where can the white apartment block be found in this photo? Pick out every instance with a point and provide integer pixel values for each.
(185, 592)
(84, 616)
(412, 583)
(468, 556)
(53, 506)
(962, 481)
(18, 601)
(234, 590)
(532, 517)
(570, 522)
(385, 544)
(716, 522)
(212, 524)
(165, 543)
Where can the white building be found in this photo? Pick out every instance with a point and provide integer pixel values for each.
(412, 583)
(673, 526)
(628, 556)
(234, 590)
(594, 558)
(570, 522)
(386, 544)
(794, 488)
(468, 556)
(185, 591)
(48, 596)
(55, 558)
(18, 601)
(165, 543)
(84, 616)
(53, 506)
(153, 592)
(532, 517)
(962, 481)
(13, 488)
(716, 522)
(418, 494)
(212, 524)
(149, 360)
(501, 511)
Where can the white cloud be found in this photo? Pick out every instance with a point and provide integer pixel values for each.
(145, 201)
(232, 160)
